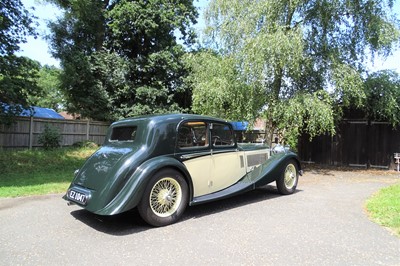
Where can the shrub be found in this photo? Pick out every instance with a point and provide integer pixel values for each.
(85, 144)
(50, 138)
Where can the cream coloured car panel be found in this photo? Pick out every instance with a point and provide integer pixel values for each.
(212, 173)
(227, 170)
(200, 171)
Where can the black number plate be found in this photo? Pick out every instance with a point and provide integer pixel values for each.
(77, 196)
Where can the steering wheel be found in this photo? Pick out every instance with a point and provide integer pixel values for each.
(216, 139)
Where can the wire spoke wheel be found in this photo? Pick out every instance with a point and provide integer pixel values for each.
(165, 197)
(287, 182)
(290, 176)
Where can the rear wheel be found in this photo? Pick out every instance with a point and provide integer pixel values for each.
(287, 182)
(165, 198)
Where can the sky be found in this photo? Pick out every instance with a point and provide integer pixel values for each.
(38, 49)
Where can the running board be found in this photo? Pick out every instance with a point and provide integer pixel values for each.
(233, 190)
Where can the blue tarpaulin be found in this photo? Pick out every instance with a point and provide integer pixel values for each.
(240, 126)
(35, 111)
(42, 113)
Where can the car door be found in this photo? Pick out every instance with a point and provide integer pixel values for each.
(193, 148)
(227, 162)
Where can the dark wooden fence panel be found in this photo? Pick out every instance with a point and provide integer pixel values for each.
(355, 140)
(357, 143)
(25, 132)
(379, 144)
(318, 150)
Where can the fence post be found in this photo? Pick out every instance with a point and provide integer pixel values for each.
(31, 133)
(87, 129)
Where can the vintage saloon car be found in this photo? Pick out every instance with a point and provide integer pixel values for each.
(160, 164)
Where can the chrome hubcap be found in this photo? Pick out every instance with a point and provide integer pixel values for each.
(165, 197)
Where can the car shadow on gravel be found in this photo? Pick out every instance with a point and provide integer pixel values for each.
(121, 224)
(261, 194)
(131, 223)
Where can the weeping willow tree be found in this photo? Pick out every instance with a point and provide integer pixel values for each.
(297, 63)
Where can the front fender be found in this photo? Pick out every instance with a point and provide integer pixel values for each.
(132, 192)
(272, 169)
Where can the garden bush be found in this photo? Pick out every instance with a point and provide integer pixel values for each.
(50, 138)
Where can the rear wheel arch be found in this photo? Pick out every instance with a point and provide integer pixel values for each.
(185, 174)
(160, 163)
(165, 197)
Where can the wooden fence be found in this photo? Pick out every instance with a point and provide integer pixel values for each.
(24, 133)
(357, 143)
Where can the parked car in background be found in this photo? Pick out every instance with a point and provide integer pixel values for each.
(163, 163)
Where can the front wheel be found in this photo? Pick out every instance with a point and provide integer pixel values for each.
(165, 198)
(287, 182)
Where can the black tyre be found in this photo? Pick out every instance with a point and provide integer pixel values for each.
(287, 182)
(165, 198)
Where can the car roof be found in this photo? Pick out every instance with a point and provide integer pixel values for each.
(172, 118)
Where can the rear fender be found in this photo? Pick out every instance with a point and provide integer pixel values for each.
(132, 192)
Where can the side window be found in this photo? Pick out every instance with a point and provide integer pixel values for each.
(192, 135)
(222, 135)
(125, 133)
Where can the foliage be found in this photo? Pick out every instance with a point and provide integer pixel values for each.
(384, 207)
(383, 96)
(121, 58)
(15, 25)
(17, 74)
(17, 83)
(49, 82)
(309, 112)
(302, 55)
(216, 89)
(50, 138)
(36, 172)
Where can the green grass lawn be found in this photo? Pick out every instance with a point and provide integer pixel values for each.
(38, 172)
(384, 207)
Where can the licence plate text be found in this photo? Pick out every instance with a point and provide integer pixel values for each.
(77, 196)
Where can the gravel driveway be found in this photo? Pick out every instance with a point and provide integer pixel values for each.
(324, 223)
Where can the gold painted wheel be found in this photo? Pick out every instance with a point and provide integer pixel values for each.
(290, 176)
(165, 197)
(287, 182)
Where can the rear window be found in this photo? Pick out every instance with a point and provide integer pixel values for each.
(127, 133)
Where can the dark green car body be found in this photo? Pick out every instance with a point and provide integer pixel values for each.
(114, 179)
